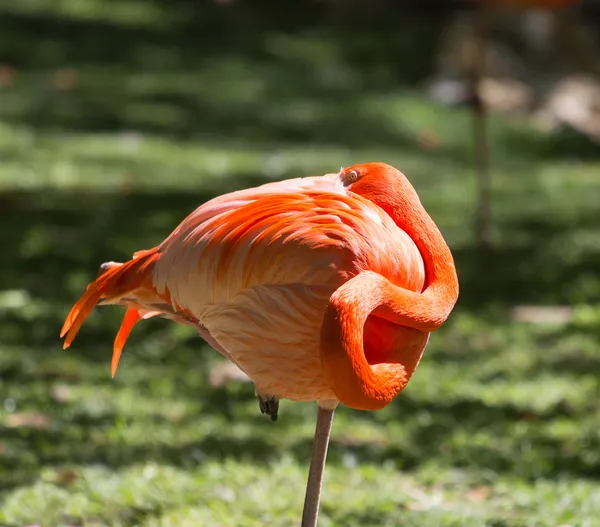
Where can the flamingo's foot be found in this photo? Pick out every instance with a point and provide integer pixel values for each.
(269, 404)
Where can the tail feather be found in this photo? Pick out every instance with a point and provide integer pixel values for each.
(115, 281)
(131, 318)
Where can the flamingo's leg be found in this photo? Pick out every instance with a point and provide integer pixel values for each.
(317, 463)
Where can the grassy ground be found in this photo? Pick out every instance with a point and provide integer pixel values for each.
(499, 426)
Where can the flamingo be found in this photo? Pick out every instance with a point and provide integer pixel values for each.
(319, 288)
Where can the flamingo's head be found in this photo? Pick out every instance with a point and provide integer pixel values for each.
(380, 183)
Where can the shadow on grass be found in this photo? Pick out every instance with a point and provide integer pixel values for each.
(539, 269)
(209, 75)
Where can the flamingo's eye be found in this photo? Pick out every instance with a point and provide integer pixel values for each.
(352, 176)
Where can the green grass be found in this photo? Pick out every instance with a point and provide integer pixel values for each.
(500, 425)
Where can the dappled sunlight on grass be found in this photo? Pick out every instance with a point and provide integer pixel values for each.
(105, 149)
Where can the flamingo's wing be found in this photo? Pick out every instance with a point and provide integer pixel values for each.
(315, 238)
(257, 272)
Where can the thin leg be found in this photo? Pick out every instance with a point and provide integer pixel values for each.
(317, 467)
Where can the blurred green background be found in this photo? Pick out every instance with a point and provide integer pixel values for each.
(118, 118)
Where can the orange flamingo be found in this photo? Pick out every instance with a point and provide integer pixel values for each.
(320, 289)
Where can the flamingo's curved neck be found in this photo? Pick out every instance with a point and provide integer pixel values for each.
(354, 381)
(432, 307)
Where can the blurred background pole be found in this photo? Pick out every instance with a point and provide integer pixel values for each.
(483, 215)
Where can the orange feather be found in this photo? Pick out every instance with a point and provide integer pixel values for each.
(116, 281)
(131, 318)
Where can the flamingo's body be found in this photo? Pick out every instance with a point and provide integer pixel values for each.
(322, 288)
